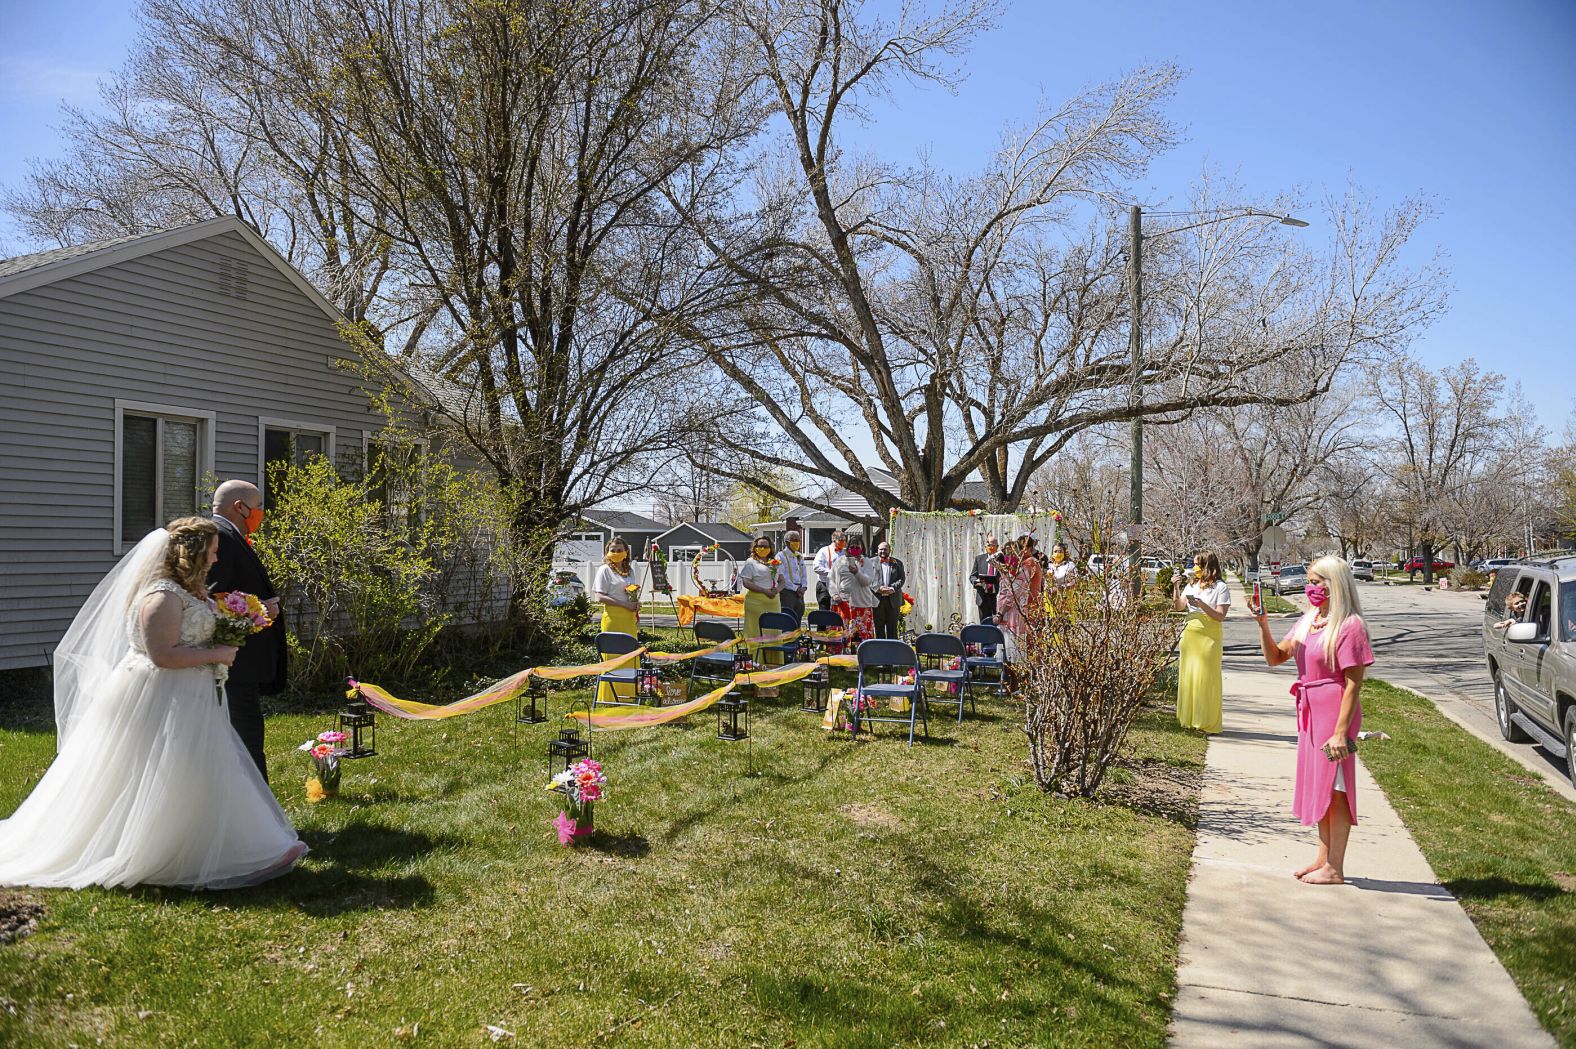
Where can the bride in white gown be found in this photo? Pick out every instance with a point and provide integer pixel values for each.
(151, 785)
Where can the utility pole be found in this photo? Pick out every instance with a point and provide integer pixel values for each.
(1135, 345)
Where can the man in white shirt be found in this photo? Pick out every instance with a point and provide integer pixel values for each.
(825, 558)
(791, 575)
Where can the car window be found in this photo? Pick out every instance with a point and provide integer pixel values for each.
(1504, 582)
(1540, 609)
(1568, 611)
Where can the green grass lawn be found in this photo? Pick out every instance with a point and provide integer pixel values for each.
(798, 888)
(1496, 836)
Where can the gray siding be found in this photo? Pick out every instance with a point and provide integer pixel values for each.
(157, 329)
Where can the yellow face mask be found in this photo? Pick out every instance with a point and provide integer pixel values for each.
(618, 556)
(793, 544)
(1058, 557)
(1198, 573)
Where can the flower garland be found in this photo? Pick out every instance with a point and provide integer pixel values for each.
(700, 584)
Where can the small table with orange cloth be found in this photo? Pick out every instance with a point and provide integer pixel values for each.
(731, 607)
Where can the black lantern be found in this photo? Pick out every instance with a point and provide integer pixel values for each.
(530, 708)
(648, 686)
(567, 748)
(360, 730)
(733, 718)
(805, 652)
(816, 690)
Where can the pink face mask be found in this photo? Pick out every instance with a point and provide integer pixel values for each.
(1317, 595)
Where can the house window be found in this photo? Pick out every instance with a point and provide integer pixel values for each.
(285, 442)
(388, 480)
(162, 454)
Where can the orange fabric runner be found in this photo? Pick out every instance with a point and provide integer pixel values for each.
(689, 604)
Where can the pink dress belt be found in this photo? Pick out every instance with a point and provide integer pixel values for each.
(1299, 689)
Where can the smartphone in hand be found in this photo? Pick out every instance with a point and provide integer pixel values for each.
(1258, 598)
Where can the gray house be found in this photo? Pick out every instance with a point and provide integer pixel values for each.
(132, 370)
(686, 539)
(596, 528)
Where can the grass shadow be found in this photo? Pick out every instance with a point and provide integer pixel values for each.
(1502, 889)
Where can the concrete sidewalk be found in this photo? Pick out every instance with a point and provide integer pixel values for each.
(1389, 959)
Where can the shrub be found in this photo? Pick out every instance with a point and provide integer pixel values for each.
(1464, 578)
(1163, 579)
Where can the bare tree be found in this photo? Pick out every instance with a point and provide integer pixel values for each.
(974, 325)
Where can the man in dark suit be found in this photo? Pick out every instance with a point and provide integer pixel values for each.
(984, 578)
(259, 667)
(889, 591)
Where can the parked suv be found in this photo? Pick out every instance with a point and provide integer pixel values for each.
(1291, 579)
(1533, 662)
(1363, 569)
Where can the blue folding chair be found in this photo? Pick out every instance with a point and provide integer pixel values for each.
(613, 643)
(818, 621)
(979, 639)
(890, 658)
(779, 623)
(934, 651)
(718, 666)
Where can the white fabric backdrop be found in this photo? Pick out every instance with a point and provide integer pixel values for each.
(937, 551)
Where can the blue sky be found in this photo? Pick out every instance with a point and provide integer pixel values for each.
(1470, 103)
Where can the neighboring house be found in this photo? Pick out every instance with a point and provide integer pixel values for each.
(596, 528)
(686, 539)
(849, 511)
(132, 373)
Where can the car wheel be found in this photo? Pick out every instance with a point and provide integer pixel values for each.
(1504, 707)
(1570, 743)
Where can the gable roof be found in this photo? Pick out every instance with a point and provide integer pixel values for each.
(716, 531)
(624, 520)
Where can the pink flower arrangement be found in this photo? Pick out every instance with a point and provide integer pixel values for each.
(582, 784)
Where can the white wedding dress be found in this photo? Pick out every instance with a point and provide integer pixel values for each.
(151, 785)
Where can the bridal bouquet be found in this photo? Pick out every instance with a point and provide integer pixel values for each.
(240, 616)
(582, 786)
(323, 781)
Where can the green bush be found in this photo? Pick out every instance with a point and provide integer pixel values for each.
(1163, 579)
(1464, 578)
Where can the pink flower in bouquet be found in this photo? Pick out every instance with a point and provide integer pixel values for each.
(235, 601)
(331, 736)
(322, 750)
(591, 792)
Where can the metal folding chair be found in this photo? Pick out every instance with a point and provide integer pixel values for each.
(717, 667)
(890, 658)
(779, 623)
(935, 651)
(978, 639)
(818, 621)
(613, 643)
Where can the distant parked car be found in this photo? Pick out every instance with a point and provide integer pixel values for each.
(1290, 579)
(567, 588)
(1533, 662)
(1494, 564)
(1363, 569)
(1415, 565)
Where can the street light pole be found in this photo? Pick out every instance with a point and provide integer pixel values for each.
(1135, 345)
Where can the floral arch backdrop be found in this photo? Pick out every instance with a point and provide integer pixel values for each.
(938, 550)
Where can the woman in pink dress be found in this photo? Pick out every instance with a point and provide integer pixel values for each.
(1330, 645)
(1023, 581)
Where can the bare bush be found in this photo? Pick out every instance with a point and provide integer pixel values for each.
(1085, 673)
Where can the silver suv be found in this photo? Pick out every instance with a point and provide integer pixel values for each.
(1533, 660)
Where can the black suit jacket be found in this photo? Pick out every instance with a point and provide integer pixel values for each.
(981, 565)
(899, 577)
(264, 658)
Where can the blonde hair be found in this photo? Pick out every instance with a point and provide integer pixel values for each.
(1343, 603)
(186, 558)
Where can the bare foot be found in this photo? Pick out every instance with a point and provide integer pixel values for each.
(1325, 875)
(1310, 868)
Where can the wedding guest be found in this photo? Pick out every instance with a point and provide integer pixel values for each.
(1063, 573)
(792, 576)
(1330, 644)
(1020, 589)
(620, 608)
(260, 666)
(825, 559)
(984, 579)
(890, 577)
(854, 578)
(1205, 599)
(758, 577)
(150, 783)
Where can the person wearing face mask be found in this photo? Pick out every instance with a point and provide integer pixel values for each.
(620, 608)
(826, 558)
(890, 577)
(1331, 646)
(854, 577)
(792, 577)
(1063, 573)
(1206, 599)
(758, 577)
(260, 666)
(985, 577)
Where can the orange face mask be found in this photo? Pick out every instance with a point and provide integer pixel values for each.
(254, 519)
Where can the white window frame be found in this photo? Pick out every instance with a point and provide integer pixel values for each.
(369, 438)
(206, 424)
(294, 426)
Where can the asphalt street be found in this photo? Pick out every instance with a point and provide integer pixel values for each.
(1429, 641)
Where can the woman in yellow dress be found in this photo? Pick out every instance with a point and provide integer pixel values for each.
(762, 590)
(620, 608)
(1206, 600)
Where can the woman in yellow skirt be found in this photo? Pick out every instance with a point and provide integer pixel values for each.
(762, 590)
(620, 608)
(1206, 600)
